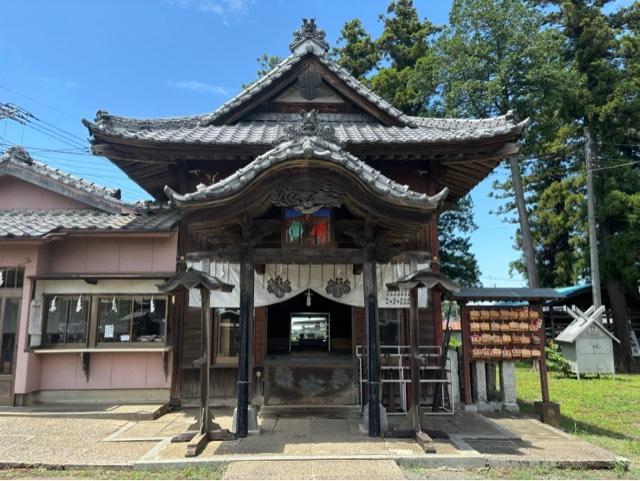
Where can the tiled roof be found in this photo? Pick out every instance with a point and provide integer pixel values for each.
(349, 130)
(107, 211)
(17, 223)
(286, 65)
(322, 150)
(19, 157)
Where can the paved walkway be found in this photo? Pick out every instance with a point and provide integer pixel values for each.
(331, 469)
(306, 448)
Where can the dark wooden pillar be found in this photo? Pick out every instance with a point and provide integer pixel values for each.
(434, 248)
(205, 366)
(179, 303)
(414, 343)
(372, 330)
(246, 315)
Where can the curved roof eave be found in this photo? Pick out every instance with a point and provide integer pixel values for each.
(320, 150)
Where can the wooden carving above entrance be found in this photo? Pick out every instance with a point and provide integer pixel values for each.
(305, 197)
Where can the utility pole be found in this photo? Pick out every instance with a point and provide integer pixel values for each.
(525, 228)
(14, 112)
(591, 161)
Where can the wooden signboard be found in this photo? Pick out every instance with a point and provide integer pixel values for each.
(498, 333)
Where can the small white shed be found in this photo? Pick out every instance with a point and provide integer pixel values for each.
(587, 344)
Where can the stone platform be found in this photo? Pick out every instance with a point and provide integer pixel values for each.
(464, 440)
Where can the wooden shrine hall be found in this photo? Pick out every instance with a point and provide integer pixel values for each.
(312, 196)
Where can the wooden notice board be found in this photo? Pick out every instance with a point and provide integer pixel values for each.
(498, 333)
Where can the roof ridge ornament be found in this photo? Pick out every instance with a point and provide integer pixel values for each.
(308, 126)
(309, 38)
(18, 153)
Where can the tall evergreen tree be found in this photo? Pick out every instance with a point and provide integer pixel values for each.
(603, 50)
(356, 51)
(495, 57)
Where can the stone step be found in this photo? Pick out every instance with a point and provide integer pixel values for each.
(336, 411)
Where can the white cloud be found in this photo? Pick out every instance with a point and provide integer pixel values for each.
(196, 86)
(217, 7)
(55, 80)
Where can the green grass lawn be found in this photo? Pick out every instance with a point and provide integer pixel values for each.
(196, 472)
(604, 411)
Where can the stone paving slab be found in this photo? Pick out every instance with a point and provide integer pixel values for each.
(335, 469)
(132, 412)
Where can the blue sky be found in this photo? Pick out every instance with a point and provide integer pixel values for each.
(62, 61)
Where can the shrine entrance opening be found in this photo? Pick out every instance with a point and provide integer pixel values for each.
(308, 324)
(310, 359)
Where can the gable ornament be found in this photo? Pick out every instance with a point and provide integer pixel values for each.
(309, 31)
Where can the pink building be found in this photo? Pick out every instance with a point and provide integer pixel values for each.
(80, 315)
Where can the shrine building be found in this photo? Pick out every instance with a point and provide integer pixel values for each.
(307, 195)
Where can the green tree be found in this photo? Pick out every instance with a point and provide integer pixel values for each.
(560, 233)
(400, 65)
(603, 50)
(495, 56)
(266, 63)
(455, 227)
(356, 51)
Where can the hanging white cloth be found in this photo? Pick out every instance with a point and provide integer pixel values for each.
(301, 278)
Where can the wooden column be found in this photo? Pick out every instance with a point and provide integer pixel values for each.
(434, 248)
(373, 336)
(466, 358)
(178, 331)
(246, 315)
(205, 366)
(414, 343)
(422, 438)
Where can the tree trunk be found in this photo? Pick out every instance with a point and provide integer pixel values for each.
(525, 228)
(621, 329)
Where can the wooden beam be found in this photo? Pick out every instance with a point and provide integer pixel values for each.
(289, 255)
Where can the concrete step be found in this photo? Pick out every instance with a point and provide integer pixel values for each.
(336, 411)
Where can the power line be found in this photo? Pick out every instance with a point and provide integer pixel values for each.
(615, 166)
(75, 117)
(24, 117)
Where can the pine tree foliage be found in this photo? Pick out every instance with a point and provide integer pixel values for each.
(455, 227)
